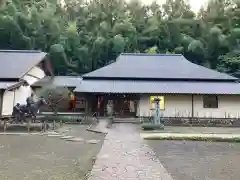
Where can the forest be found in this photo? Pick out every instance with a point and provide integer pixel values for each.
(81, 36)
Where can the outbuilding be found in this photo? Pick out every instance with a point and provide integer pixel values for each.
(19, 70)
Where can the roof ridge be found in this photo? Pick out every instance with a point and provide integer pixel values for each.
(20, 51)
(146, 54)
(150, 66)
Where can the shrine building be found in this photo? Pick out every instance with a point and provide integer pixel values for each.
(184, 88)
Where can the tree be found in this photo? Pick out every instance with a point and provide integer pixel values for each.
(81, 36)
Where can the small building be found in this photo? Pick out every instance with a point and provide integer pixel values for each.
(184, 88)
(20, 69)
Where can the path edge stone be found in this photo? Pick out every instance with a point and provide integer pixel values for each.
(193, 137)
(95, 131)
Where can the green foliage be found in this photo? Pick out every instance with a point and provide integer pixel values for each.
(152, 50)
(57, 93)
(230, 63)
(81, 36)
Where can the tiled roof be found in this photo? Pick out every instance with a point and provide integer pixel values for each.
(64, 81)
(5, 85)
(156, 66)
(11, 85)
(168, 87)
(15, 63)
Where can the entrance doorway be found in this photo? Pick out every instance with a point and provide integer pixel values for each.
(123, 105)
(126, 107)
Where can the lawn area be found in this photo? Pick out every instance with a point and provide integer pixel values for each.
(194, 134)
(40, 157)
(204, 130)
(191, 160)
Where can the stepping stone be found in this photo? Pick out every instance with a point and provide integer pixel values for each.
(67, 137)
(63, 130)
(51, 133)
(75, 139)
(93, 141)
(54, 135)
(104, 156)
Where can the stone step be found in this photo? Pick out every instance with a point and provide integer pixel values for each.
(127, 120)
(130, 122)
(67, 137)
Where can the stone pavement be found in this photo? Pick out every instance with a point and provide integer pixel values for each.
(124, 156)
(101, 127)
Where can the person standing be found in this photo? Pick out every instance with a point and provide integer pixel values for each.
(72, 101)
(30, 101)
(52, 103)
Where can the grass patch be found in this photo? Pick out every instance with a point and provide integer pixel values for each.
(64, 119)
(150, 127)
(195, 138)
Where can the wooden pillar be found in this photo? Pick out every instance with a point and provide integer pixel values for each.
(44, 125)
(90, 103)
(86, 108)
(5, 125)
(54, 124)
(1, 103)
(28, 125)
(192, 109)
(87, 104)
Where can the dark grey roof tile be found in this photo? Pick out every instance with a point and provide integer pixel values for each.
(169, 87)
(64, 81)
(6, 85)
(161, 66)
(15, 63)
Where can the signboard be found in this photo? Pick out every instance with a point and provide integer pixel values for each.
(161, 103)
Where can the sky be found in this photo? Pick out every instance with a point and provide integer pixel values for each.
(195, 4)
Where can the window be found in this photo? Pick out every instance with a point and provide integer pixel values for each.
(210, 101)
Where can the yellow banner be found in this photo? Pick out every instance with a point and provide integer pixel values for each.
(153, 103)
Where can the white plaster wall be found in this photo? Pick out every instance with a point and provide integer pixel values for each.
(181, 105)
(37, 72)
(21, 94)
(34, 75)
(31, 80)
(144, 106)
(11, 98)
(228, 106)
(8, 98)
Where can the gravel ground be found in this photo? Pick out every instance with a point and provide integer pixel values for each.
(36, 157)
(198, 160)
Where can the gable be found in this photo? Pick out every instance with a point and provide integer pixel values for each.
(34, 75)
(14, 63)
(156, 66)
